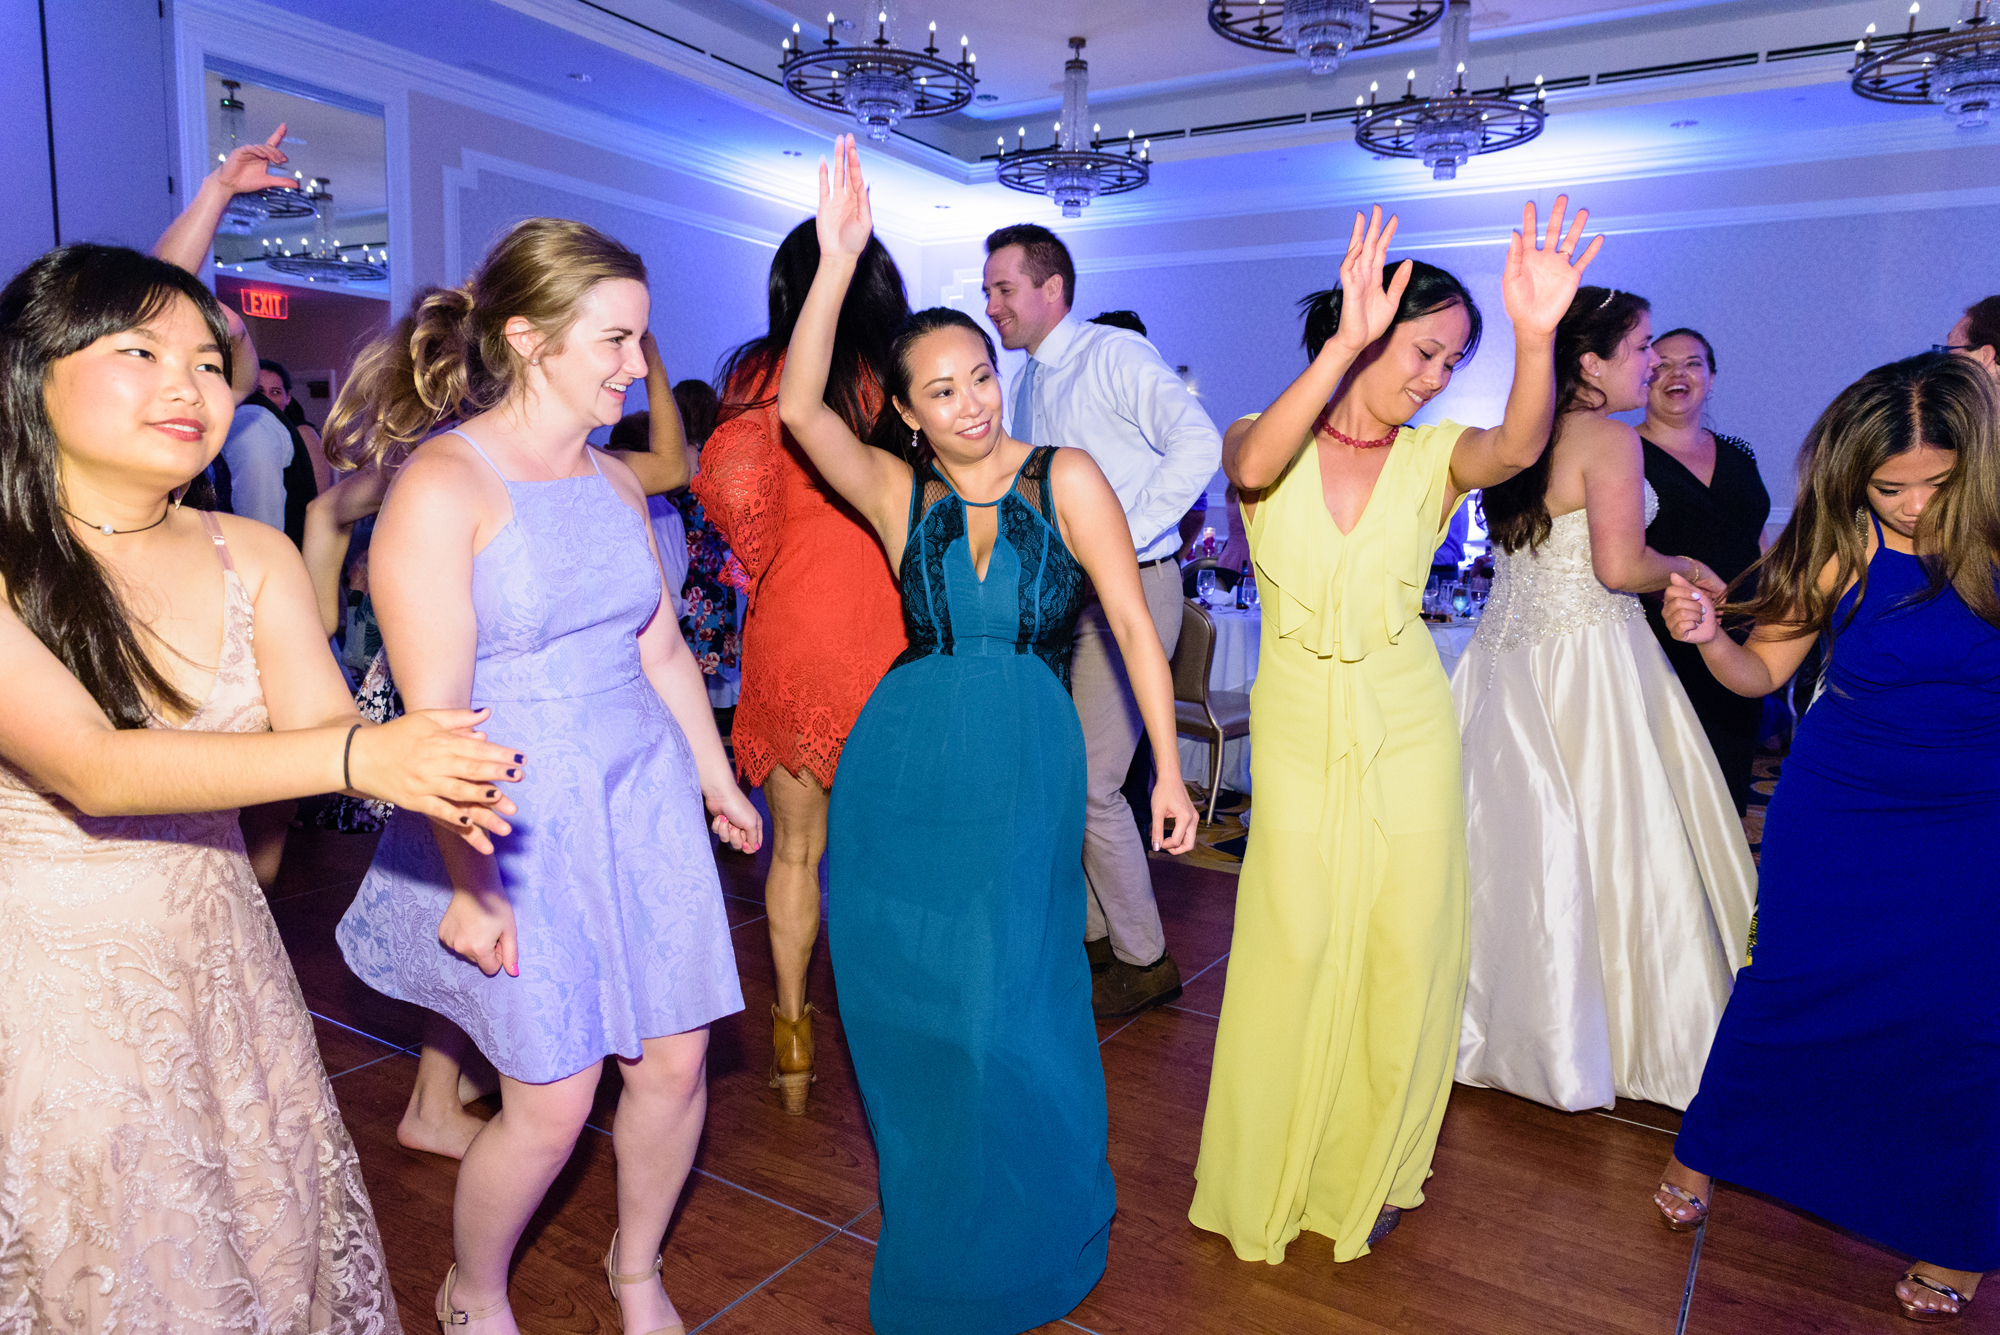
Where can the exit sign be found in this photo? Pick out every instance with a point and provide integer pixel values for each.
(266, 305)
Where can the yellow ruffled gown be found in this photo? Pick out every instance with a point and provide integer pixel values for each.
(1339, 1029)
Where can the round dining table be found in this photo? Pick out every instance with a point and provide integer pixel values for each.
(1237, 634)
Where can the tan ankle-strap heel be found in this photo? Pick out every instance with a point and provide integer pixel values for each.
(611, 1274)
(449, 1314)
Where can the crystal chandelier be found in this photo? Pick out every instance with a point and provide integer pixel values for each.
(877, 83)
(1321, 32)
(251, 210)
(320, 259)
(1451, 125)
(1958, 68)
(1073, 171)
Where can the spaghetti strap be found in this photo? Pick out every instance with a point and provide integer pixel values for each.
(454, 431)
(591, 450)
(214, 527)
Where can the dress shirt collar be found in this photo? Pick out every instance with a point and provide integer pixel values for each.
(1060, 344)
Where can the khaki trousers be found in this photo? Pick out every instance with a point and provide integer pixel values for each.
(1120, 895)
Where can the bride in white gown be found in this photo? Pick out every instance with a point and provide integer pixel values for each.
(1612, 885)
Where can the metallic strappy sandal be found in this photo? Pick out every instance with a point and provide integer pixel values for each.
(1932, 1316)
(449, 1314)
(1687, 1198)
(611, 1274)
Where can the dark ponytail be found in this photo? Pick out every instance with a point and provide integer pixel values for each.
(58, 306)
(1430, 289)
(1598, 319)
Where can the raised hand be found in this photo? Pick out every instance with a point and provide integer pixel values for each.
(431, 761)
(1367, 306)
(244, 169)
(1688, 612)
(735, 820)
(1541, 278)
(845, 221)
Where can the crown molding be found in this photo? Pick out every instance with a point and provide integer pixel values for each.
(474, 164)
(260, 36)
(1609, 225)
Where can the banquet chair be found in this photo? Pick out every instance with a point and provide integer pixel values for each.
(1225, 578)
(1211, 716)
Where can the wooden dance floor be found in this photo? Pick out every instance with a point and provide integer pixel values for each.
(1536, 1221)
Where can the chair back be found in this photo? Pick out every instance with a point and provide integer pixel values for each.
(1194, 656)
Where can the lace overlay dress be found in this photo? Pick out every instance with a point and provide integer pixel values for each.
(823, 622)
(171, 1159)
(1611, 881)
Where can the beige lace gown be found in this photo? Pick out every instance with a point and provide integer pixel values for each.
(171, 1159)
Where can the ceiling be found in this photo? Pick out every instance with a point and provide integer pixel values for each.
(1235, 131)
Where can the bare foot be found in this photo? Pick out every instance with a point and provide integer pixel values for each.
(1911, 1294)
(446, 1131)
(1697, 1185)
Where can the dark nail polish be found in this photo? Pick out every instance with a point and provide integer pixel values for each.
(514, 773)
(465, 820)
(518, 757)
(493, 792)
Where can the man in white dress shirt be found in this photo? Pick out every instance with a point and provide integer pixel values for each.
(1108, 392)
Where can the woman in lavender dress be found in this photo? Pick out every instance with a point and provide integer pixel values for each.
(512, 563)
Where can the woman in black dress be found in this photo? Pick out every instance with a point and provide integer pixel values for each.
(1712, 507)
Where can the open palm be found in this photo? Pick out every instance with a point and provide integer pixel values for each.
(1541, 278)
(845, 222)
(1367, 304)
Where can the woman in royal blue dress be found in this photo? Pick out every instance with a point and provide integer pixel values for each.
(957, 821)
(1856, 1073)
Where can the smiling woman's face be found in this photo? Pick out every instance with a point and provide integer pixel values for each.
(1411, 364)
(148, 405)
(954, 394)
(1682, 379)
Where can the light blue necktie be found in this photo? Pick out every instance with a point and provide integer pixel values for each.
(1024, 404)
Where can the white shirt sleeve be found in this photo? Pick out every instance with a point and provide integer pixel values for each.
(257, 451)
(1175, 424)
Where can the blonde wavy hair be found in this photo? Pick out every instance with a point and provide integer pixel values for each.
(450, 357)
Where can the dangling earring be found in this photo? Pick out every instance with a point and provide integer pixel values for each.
(180, 495)
(1861, 523)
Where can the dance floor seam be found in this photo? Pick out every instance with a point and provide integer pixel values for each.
(1535, 1220)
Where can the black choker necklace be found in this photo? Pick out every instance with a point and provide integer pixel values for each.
(120, 532)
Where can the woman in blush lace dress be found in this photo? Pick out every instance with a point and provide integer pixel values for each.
(824, 622)
(1611, 880)
(171, 1159)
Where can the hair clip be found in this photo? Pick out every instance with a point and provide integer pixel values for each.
(1607, 298)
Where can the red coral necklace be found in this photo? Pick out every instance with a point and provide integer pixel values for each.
(1348, 440)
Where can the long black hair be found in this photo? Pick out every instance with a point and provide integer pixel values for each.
(58, 306)
(891, 432)
(1598, 319)
(1430, 289)
(875, 307)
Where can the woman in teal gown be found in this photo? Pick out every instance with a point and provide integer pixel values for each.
(956, 832)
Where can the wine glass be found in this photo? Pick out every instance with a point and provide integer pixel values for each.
(1461, 600)
(1204, 584)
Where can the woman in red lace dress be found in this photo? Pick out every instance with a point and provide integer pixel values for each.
(824, 619)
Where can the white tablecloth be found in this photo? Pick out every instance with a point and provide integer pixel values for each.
(1237, 635)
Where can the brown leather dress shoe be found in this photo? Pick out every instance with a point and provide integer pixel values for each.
(792, 1058)
(1100, 954)
(1127, 989)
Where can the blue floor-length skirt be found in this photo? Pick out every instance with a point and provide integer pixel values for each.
(955, 920)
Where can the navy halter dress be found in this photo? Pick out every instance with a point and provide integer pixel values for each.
(1856, 1072)
(955, 918)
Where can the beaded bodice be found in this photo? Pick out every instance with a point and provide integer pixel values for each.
(1033, 590)
(1550, 590)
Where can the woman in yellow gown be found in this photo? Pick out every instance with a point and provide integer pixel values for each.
(1340, 1020)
